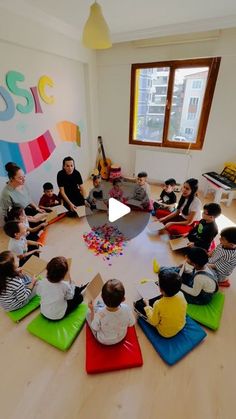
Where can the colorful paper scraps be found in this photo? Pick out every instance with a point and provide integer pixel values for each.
(105, 240)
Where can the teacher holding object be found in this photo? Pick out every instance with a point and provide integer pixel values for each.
(15, 192)
(70, 185)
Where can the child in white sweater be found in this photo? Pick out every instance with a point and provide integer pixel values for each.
(58, 296)
(109, 322)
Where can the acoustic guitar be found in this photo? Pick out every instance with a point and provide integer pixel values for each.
(104, 163)
(95, 171)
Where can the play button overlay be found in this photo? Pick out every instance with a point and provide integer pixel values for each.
(130, 221)
(116, 210)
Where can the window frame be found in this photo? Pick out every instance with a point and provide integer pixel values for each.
(213, 64)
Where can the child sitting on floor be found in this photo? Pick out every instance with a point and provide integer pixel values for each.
(18, 243)
(223, 258)
(59, 297)
(96, 193)
(17, 213)
(142, 191)
(116, 192)
(204, 233)
(167, 312)
(16, 288)
(109, 323)
(200, 285)
(167, 198)
(49, 198)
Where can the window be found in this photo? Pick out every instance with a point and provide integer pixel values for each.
(189, 131)
(164, 106)
(197, 84)
(193, 101)
(191, 116)
(189, 134)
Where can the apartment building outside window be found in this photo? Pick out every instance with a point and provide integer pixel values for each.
(176, 92)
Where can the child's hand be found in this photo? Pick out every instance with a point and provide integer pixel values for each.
(169, 224)
(39, 244)
(146, 302)
(44, 224)
(90, 305)
(72, 207)
(86, 203)
(41, 210)
(190, 244)
(40, 217)
(34, 280)
(36, 251)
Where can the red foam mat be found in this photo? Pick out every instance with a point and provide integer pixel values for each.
(102, 358)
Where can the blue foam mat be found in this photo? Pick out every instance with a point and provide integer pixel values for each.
(171, 350)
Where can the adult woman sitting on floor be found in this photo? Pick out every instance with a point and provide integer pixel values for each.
(16, 193)
(70, 185)
(188, 212)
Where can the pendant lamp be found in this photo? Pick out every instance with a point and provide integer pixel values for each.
(96, 34)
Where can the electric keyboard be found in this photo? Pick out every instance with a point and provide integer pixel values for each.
(220, 180)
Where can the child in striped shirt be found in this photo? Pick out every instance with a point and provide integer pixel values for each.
(16, 288)
(223, 258)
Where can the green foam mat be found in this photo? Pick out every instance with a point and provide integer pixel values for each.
(210, 314)
(20, 313)
(61, 333)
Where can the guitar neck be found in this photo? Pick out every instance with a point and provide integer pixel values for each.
(103, 151)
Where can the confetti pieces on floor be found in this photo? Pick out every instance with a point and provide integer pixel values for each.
(105, 240)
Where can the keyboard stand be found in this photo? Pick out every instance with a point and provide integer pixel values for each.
(209, 186)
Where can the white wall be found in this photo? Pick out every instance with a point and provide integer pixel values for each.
(114, 68)
(35, 50)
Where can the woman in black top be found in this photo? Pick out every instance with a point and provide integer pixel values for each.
(70, 185)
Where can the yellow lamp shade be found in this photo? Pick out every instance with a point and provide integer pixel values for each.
(96, 34)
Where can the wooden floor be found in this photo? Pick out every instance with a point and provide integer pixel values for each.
(39, 381)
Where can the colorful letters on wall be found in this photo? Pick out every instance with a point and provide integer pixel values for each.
(30, 154)
(31, 96)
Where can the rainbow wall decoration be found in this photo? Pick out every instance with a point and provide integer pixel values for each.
(31, 154)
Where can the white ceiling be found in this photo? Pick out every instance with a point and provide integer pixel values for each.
(130, 19)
